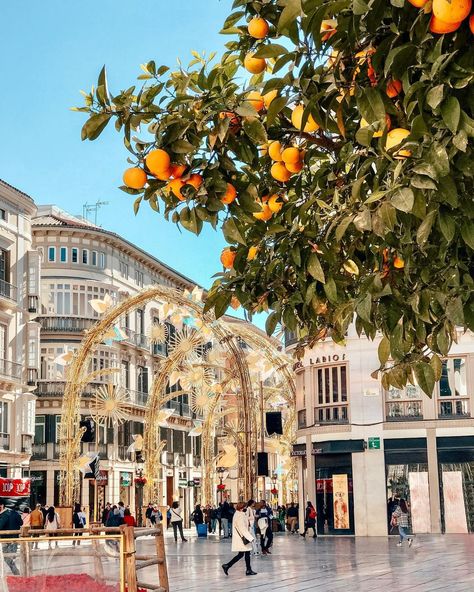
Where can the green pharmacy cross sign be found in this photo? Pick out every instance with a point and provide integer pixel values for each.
(374, 443)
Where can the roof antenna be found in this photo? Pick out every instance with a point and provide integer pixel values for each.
(92, 208)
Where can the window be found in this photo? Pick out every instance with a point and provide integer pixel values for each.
(4, 275)
(52, 254)
(331, 394)
(140, 321)
(453, 398)
(94, 258)
(142, 379)
(40, 429)
(139, 278)
(102, 260)
(63, 255)
(4, 431)
(125, 374)
(85, 256)
(3, 343)
(74, 255)
(56, 427)
(3, 214)
(73, 299)
(404, 404)
(123, 269)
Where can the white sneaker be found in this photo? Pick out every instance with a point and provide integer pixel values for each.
(410, 542)
(399, 544)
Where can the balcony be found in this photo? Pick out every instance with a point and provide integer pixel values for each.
(10, 369)
(137, 397)
(39, 452)
(8, 292)
(404, 411)
(301, 419)
(291, 337)
(55, 388)
(33, 303)
(26, 443)
(123, 454)
(159, 349)
(63, 324)
(32, 376)
(331, 414)
(454, 408)
(4, 441)
(136, 339)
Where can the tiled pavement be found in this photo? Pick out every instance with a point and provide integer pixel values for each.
(329, 564)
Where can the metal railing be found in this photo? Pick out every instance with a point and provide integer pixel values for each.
(38, 452)
(159, 349)
(33, 303)
(66, 324)
(123, 454)
(404, 410)
(453, 408)
(10, 369)
(8, 290)
(137, 339)
(4, 441)
(32, 376)
(56, 388)
(331, 414)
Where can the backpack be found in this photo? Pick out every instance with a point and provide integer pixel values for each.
(312, 514)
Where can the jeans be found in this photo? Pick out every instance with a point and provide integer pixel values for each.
(238, 557)
(178, 525)
(403, 533)
(10, 561)
(268, 535)
(213, 524)
(225, 527)
(254, 542)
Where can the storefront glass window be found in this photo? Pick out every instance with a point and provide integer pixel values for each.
(457, 504)
(409, 482)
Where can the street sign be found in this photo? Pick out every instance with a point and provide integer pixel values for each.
(374, 443)
(182, 483)
(190, 483)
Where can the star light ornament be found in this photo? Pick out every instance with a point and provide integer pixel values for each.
(65, 358)
(163, 416)
(195, 295)
(185, 341)
(196, 376)
(157, 333)
(228, 457)
(110, 405)
(200, 401)
(102, 305)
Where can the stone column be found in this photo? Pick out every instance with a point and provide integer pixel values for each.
(301, 489)
(433, 479)
(310, 479)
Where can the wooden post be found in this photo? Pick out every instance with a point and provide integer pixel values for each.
(98, 567)
(24, 553)
(161, 555)
(129, 552)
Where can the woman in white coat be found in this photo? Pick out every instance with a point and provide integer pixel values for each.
(240, 531)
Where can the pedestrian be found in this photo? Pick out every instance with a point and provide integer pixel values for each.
(198, 517)
(241, 540)
(251, 516)
(128, 519)
(400, 519)
(177, 522)
(168, 517)
(282, 517)
(10, 520)
(105, 513)
(264, 522)
(292, 518)
(114, 519)
(310, 520)
(26, 516)
(77, 522)
(52, 524)
(225, 515)
(121, 507)
(231, 517)
(156, 516)
(214, 518)
(148, 513)
(36, 521)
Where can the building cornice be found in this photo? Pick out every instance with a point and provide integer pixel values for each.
(17, 198)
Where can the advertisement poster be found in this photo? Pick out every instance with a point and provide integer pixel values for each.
(419, 501)
(15, 493)
(340, 502)
(454, 510)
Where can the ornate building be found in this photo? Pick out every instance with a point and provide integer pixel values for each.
(19, 333)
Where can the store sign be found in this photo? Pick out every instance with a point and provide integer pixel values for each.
(15, 487)
(197, 482)
(298, 453)
(329, 359)
(125, 479)
(374, 443)
(183, 483)
(103, 478)
(340, 502)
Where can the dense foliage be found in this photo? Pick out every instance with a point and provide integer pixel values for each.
(378, 225)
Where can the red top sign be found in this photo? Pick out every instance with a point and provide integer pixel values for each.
(14, 487)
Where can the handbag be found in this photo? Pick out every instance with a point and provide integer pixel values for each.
(245, 540)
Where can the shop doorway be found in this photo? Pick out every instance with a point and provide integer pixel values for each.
(38, 488)
(334, 494)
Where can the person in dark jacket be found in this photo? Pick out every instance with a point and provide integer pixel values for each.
(10, 520)
(77, 522)
(225, 517)
(115, 518)
(310, 520)
(105, 513)
(198, 516)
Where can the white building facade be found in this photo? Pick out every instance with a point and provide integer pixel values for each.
(358, 446)
(80, 262)
(19, 332)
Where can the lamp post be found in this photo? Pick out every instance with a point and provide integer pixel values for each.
(222, 474)
(140, 481)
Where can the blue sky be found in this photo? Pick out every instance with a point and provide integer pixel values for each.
(50, 50)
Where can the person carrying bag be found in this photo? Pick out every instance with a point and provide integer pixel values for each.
(241, 540)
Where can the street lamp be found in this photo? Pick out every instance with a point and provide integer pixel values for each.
(222, 474)
(140, 481)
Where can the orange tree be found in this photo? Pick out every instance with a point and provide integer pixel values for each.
(340, 172)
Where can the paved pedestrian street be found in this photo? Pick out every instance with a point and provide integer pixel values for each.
(343, 564)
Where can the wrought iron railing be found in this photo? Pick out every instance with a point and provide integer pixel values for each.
(55, 388)
(404, 410)
(331, 414)
(8, 290)
(453, 408)
(10, 369)
(66, 324)
(38, 452)
(4, 441)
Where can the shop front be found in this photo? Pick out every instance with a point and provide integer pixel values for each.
(126, 482)
(38, 488)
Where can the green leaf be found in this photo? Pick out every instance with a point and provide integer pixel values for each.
(136, 204)
(276, 106)
(455, 311)
(330, 290)
(270, 51)
(425, 227)
(359, 7)
(437, 365)
(447, 190)
(384, 350)
(435, 96)
(255, 130)
(222, 303)
(451, 113)
(272, 321)
(290, 12)
(371, 105)
(95, 125)
(467, 232)
(232, 233)
(447, 225)
(438, 158)
(342, 227)
(314, 268)
(403, 199)
(364, 308)
(399, 59)
(425, 377)
(182, 147)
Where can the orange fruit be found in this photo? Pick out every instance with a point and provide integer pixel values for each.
(157, 161)
(398, 263)
(268, 97)
(273, 203)
(395, 137)
(234, 302)
(163, 176)
(263, 150)
(441, 27)
(274, 150)
(135, 178)
(451, 11)
(195, 180)
(234, 120)
(254, 65)
(229, 195)
(252, 253)
(418, 3)
(328, 29)
(175, 187)
(290, 155)
(297, 120)
(378, 133)
(256, 100)
(177, 170)
(471, 23)
(393, 88)
(228, 258)
(265, 214)
(280, 173)
(294, 167)
(258, 28)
